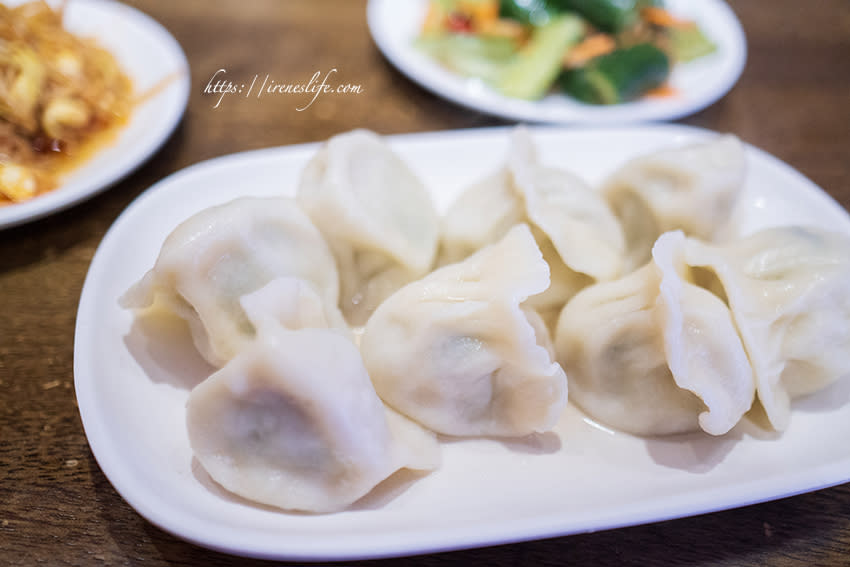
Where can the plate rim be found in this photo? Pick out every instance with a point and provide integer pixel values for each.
(56, 200)
(494, 104)
(759, 490)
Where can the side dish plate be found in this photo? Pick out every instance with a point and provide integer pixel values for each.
(149, 55)
(133, 377)
(395, 24)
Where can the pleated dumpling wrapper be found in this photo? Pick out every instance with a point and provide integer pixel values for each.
(224, 252)
(653, 353)
(789, 291)
(693, 188)
(376, 215)
(579, 235)
(456, 352)
(292, 420)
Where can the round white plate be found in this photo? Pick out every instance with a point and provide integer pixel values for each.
(133, 377)
(148, 54)
(394, 25)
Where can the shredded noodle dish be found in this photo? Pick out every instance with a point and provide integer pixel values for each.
(60, 97)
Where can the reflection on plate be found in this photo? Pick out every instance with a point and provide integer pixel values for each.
(394, 24)
(132, 388)
(149, 55)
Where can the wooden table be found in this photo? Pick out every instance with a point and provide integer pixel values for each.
(57, 508)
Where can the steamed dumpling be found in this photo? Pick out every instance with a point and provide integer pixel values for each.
(692, 188)
(376, 215)
(482, 214)
(583, 230)
(455, 352)
(293, 420)
(224, 252)
(789, 292)
(654, 354)
(577, 233)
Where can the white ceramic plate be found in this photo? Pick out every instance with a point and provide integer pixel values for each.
(395, 23)
(133, 378)
(148, 54)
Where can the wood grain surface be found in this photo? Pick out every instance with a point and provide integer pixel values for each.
(57, 508)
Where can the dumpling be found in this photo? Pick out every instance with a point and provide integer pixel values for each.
(789, 292)
(376, 215)
(292, 420)
(455, 352)
(579, 236)
(692, 188)
(221, 253)
(482, 214)
(571, 214)
(654, 354)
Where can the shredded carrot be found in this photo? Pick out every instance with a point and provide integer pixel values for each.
(503, 27)
(590, 47)
(661, 17)
(480, 12)
(662, 91)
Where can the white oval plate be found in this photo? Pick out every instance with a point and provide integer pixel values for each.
(133, 377)
(148, 54)
(394, 25)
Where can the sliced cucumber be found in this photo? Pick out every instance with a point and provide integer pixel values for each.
(470, 55)
(536, 67)
(533, 12)
(689, 43)
(620, 76)
(607, 15)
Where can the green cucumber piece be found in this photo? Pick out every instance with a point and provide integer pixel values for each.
(607, 15)
(620, 76)
(537, 66)
(530, 12)
(470, 55)
(687, 44)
